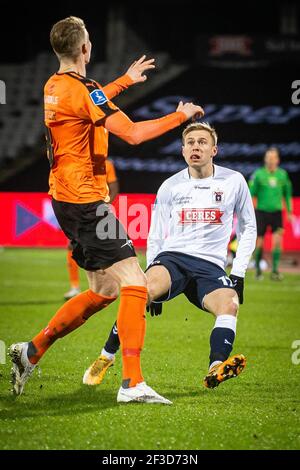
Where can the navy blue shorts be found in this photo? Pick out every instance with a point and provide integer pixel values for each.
(191, 276)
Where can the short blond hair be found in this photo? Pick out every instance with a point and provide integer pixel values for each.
(66, 37)
(197, 126)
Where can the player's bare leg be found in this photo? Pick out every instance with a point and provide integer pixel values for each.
(73, 272)
(158, 281)
(223, 304)
(74, 313)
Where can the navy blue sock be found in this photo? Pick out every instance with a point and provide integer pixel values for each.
(112, 345)
(221, 343)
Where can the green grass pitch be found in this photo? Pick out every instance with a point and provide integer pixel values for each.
(260, 409)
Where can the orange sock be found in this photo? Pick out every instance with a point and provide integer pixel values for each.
(73, 270)
(70, 316)
(131, 329)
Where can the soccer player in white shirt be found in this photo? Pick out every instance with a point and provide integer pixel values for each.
(187, 247)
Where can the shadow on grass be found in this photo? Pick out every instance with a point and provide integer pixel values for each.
(83, 400)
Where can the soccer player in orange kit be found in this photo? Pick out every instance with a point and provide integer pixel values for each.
(72, 266)
(78, 117)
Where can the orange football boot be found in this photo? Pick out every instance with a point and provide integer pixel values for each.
(228, 369)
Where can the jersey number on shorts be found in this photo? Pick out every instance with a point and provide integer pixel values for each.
(226, 281)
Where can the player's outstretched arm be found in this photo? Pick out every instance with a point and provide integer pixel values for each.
(161, 213)
(137, 132)
(160, 217)
(135, 74)
(246, 235)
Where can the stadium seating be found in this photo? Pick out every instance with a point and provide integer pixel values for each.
(21, 122)
(21, 118)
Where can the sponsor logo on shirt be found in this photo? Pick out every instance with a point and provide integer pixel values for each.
(98, 97)
(179, 200)
(218, 196)
(202, 216)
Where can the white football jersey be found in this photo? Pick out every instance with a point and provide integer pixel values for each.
(195, 217)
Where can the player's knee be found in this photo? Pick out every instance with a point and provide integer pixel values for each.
(231, 307)
(127, 273)
(132, 275)
(153, 289)
(101, 284)
(108, 291)
(134, 278)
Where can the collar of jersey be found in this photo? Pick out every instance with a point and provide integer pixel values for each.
(70, 72)
(201, 179)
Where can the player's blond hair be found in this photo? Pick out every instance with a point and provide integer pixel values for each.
(67, 36)
(197, 126)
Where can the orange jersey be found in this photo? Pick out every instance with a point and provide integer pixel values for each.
(111, 176)
(78, 116)
(77, 142)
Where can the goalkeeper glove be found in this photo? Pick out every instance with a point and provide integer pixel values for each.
(154, 308)
(238, 285)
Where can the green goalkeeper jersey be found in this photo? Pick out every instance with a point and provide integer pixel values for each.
(270, 188)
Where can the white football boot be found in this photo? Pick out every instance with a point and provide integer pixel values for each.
(71, 293)
(141, 393)
(21, 366)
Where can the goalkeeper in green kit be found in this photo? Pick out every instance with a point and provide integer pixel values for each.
(270, 185)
